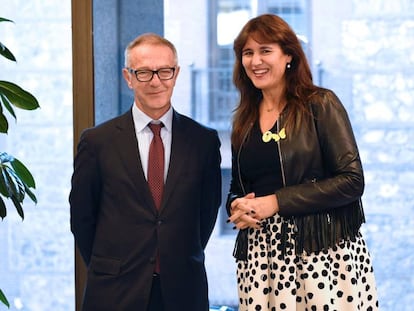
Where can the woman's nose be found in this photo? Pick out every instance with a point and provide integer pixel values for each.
(256, 59)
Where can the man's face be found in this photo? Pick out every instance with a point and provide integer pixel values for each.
(152, 97)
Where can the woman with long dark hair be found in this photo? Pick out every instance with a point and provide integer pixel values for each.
(297, 182)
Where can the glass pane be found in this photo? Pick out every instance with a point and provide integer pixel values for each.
(36, 255)
(359, 49)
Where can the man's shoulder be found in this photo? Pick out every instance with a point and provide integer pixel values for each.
(189, 123)
(109, 126)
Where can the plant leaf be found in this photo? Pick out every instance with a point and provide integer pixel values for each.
(23, 173)
(30, 194)
(19, 194)
(4, 125)
(3, 299)
(7, 104)
(3, 211)
(3, 187)
(4, 51)
(18, 206)
(15, 183)
(5, 157)
(2, 19)
(17, 96)
(11, 185)
(4, 178)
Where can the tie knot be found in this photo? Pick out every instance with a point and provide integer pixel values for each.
(156, 128)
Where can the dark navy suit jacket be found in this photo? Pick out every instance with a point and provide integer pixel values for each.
(118, 229)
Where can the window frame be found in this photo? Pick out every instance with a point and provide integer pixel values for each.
(83, 100)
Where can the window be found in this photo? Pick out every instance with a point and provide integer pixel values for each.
(36, 261)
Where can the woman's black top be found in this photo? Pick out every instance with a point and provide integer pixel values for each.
(260, 164)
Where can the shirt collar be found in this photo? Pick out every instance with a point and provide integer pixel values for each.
(141, 120)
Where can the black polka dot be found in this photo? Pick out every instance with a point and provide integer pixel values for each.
(331, 272)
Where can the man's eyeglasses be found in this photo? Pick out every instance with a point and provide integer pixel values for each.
(147, 75)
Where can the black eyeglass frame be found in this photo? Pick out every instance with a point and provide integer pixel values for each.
(136, 71)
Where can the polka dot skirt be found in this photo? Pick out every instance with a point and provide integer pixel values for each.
(340, 278)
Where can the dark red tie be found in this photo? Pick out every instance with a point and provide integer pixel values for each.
(156, 172)
(156, 164)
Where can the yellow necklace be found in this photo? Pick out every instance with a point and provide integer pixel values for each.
(268, 135)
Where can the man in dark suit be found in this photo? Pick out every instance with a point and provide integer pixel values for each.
(142, 254)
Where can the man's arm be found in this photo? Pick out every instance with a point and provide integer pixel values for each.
(211, 198)
(84, 197)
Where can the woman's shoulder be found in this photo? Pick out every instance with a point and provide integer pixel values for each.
(322, 95)
(325, 100)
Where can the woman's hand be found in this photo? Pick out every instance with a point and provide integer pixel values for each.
(248, 211)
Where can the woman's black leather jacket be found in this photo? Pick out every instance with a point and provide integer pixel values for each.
(323, 181)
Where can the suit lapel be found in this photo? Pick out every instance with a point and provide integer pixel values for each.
(179, 145)
(127, 145)
(129, 154)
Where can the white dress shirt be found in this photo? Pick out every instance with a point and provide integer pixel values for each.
(144, 136)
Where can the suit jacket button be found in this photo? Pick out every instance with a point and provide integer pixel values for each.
(159, 222)
(152, 260)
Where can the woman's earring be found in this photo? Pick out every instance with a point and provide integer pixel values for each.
(288, 66)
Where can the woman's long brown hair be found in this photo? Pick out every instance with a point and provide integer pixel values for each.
(270, 28)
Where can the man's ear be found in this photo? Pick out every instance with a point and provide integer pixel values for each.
(127, 77)
(177, 70)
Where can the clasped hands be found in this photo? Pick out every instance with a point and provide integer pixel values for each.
(249, 211)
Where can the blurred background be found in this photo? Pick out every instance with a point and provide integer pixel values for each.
(361, 49)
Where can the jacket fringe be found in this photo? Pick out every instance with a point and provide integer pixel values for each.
(313, 233)
(241, 245)
(325, 230)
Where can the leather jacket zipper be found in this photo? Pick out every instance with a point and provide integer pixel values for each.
(238, 160)
(282, 169)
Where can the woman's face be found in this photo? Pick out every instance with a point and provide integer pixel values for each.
(265, 64)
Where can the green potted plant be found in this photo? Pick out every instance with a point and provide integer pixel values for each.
(15, 179)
